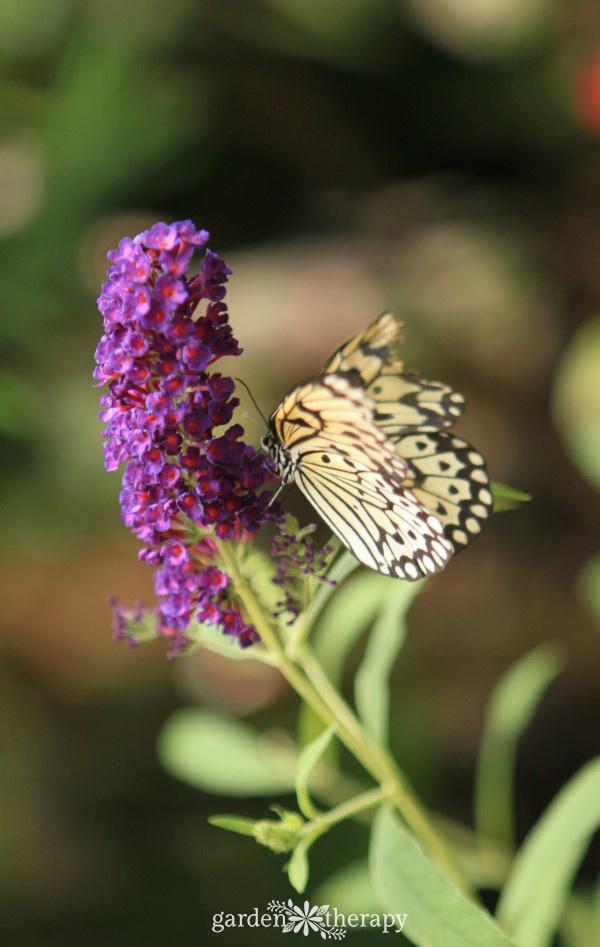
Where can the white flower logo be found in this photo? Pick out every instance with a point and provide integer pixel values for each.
(306, 919)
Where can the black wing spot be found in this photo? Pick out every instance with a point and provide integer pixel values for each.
(452, 489)
(421, 445)
(325, 459)
(444, 465)
(440, 508)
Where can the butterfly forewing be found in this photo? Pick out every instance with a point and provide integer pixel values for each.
(449, 477)
(368, 351)
(353, 476)
(403, 401)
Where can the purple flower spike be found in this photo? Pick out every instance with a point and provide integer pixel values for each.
(161, 410)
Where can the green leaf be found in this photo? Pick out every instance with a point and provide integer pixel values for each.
(259, 570)
(576, 399)
(307, 760)
(217, 753)
(212, 638)
(512, 706)
(580, 926)
(537, 887)
(343, 566)
(406, 882)
(588, 587)
(233, 823)
(347, 616)
(507, 498)
(297, 867)
(371, 684)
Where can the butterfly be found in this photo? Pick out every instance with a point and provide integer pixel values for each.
(367, 443)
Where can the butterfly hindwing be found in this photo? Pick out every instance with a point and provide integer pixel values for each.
(407, 402)
(448, 477)
(353, 476)
(403, 400)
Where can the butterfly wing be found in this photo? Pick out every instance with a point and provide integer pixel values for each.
(354, 478)
(449, 477)
(403, 401)
(444, 472)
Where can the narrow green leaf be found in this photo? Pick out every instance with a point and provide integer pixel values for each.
(347, 616)
(343, 566)
(406, 882)
(259, 570)
(512, 706)
(576, 399)
(580, 926)
(507, 498)
(371, 684)
(588, 587)
(217, 753)
(307, 760)
(213, 639)
(297, 867)
(233, 823)
(537, 887)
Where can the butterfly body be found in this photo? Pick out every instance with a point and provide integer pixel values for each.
(366, 443)
(284, 461)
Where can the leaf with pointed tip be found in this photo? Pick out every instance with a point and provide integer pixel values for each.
(218, 753)
(537, 887)
(297, 867)
(507, 498)
(307, 760)
(371, 683)
(405, 880)
(511, 708)
(233, 823)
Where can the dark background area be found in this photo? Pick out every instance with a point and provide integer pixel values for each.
(431, 158)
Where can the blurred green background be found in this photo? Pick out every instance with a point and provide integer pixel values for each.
(434, 157)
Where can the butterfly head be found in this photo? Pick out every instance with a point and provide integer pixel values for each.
(282, 461)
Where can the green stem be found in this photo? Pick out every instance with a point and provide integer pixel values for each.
(310, 682)
(348, 809)
(342, 567)
(295, 677)
(383, 768)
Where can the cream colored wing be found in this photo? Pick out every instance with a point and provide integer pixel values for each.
(403, 401)
(353, 476)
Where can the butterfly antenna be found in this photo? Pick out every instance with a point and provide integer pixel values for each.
(275, 495)
(253, 399)
(250, 417)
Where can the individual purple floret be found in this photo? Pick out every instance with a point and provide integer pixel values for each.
(163, 327)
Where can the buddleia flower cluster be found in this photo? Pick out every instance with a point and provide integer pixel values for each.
(188, 484)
